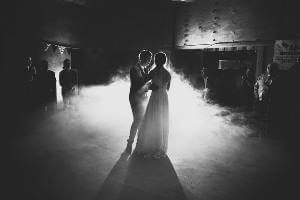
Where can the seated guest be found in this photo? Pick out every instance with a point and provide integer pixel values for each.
(68, 80)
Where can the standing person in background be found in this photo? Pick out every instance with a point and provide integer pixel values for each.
(29, 70)
(68, 80)
(293, 104)
(204, 74)
(29, 75)
(263, 85)
(267, 93)
(247, 84)
(46, 86)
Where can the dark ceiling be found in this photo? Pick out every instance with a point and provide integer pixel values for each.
(96, 22)
(95, 2)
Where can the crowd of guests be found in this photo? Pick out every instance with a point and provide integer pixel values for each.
(39, 85)
(276, 98)
(272, 95)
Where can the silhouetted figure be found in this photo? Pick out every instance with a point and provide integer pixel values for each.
(204, 74)
(140, 84)
(293, 85)
(68, 80)
(247, 84)
(46, 86)
(29, 70)
(28, 78)
(268, 95)
(154, 130)
(263, 85)
(293, 98)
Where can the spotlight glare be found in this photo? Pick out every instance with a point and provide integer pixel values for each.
(194, 124)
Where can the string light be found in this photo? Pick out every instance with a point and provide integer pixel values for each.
(61, 49)
(55, 45)
(47, 46)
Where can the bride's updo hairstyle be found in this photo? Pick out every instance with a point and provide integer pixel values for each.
(160, 59)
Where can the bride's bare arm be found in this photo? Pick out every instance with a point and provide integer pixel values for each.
(169, 81)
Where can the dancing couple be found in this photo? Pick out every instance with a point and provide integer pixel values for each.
(150, 120)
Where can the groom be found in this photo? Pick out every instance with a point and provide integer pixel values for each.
(140, 84)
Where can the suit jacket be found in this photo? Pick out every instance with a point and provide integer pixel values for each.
(46, 86)
(68, 79)
(138, 78)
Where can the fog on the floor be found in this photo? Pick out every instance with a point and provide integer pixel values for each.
(106, 108)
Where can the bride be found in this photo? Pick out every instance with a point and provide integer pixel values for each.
(154, 130)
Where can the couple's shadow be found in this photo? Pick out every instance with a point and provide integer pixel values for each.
(136, 177)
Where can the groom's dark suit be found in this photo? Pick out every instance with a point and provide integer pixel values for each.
(137, 96)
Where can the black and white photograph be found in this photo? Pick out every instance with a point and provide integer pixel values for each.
(150, 99)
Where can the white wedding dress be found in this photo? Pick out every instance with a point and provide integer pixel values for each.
(154, 130)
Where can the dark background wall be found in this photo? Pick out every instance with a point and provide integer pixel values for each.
(105, 32)
(109, 25)
(134, 25)
(110, 34)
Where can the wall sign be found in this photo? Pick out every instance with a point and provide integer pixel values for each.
(286, 53)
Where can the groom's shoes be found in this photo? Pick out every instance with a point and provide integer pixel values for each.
(128, 148)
